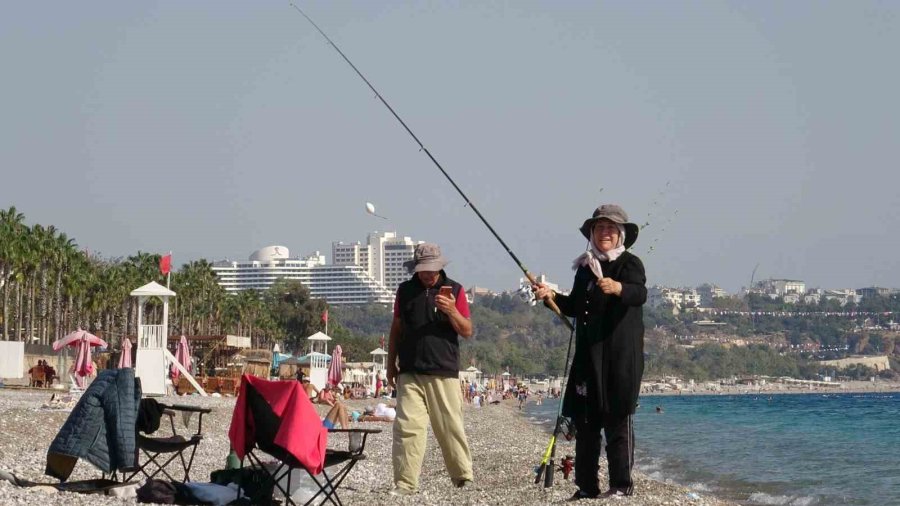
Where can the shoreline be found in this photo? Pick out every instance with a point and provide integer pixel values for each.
(505, 449)
(853, 387)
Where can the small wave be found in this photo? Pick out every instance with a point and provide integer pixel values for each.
(656, 476)
(764, 498)
(700, 487)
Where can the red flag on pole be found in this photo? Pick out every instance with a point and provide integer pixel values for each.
(165, 264)
(325, 316)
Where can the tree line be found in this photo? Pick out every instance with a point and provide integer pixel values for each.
(49, 286)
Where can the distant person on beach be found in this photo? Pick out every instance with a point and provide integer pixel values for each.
(605, 378)
(326, 396)
(311, 391)
(430, 313)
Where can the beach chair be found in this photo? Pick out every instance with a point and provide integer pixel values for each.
(266, 426)
(38, 377)
(155, 449)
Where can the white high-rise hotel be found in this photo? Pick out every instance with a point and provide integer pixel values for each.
(382, 257)
(359, 274)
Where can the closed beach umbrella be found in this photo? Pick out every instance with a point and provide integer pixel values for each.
(183, 356)
(125, 356)
(334, 369)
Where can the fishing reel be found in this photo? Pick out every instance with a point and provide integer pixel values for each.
(526, 294)
(567, 428)
(567, 465)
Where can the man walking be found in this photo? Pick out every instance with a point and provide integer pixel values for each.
(430, 313)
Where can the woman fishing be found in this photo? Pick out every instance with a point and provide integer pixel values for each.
(605, 378)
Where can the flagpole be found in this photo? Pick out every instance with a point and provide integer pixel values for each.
(169, 274)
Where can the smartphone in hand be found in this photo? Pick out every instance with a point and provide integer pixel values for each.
(446, 291)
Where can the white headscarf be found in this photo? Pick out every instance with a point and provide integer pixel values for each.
(592, 257)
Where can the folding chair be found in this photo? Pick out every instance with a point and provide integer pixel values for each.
(174, 446)
(266, 426)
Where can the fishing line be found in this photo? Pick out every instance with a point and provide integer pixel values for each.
(548, 302)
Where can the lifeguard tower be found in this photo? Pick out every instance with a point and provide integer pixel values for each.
(153, 356)
(318, 359)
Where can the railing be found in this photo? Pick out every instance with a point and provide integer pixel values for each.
(318, 362)
(151, 337)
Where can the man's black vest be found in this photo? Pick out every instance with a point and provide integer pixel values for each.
(428, 344)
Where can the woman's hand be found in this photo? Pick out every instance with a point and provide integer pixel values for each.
(542, 291)
(610, 286)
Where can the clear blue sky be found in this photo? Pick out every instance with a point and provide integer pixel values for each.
(744, 132)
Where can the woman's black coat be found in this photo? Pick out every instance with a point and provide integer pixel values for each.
(609, 340)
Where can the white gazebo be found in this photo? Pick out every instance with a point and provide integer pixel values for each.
(506, 376)
(471, 374)
(153, 356)
(318, 359)
(378, 355)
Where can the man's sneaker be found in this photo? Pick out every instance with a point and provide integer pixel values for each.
(400, 491)
(462, 483)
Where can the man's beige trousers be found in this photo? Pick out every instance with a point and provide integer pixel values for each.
(420, 398)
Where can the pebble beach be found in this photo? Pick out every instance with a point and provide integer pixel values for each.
(505, 449)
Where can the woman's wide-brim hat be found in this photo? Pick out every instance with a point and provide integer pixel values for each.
(427, 257)
(614, 214)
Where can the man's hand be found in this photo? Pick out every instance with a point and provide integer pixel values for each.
(447, 305)
(392, 373)
(610, 286)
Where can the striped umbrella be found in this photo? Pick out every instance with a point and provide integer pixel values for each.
(334, 369)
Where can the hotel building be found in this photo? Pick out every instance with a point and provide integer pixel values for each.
(382, 257)
(346, 283)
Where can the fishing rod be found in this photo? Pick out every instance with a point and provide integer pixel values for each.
(546, 468)
(549, 301)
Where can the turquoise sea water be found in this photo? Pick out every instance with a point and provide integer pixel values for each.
(797, 449)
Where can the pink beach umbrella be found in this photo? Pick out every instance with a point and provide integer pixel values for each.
(334, 369)
(75, 338)
(125, 356)
(83, 341)
(84, 366)
(183, 356)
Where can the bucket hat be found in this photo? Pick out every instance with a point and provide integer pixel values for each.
(427, 257)
(615, 214)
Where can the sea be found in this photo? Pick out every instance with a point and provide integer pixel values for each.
(762, 449)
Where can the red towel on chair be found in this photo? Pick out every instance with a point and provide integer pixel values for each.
(301, 432)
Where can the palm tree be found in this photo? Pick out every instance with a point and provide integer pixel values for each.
(11, 224)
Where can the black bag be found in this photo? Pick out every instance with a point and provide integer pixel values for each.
(254, 482)
(157, 491)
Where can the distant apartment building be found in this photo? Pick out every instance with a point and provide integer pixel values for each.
(679, 298)
(842, 296)
(382, 257)
(709, 292)
(791, 290)
(875, 291)
(336, 284)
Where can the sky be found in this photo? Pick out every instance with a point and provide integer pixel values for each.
(747, 135)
